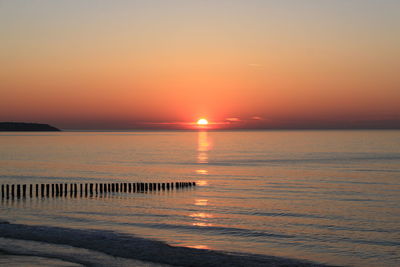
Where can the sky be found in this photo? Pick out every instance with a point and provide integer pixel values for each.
(163, 64)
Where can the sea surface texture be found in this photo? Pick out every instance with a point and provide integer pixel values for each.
(328, 197)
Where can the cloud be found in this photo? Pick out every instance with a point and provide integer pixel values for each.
(257, 118)
(233, 120)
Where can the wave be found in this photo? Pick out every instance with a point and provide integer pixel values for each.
(136, 248)
(323, 158)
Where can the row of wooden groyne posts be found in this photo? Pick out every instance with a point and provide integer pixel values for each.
(85, 189)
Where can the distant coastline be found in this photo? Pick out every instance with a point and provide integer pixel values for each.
(27, 127)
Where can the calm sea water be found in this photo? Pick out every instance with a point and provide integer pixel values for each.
(330, 197)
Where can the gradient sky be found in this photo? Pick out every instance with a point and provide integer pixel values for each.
(158, 63)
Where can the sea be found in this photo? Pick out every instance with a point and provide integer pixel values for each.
(262, 198)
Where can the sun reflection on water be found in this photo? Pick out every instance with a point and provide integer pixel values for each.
(199, 247)
(201, 202)
(201, 215)
(203, 146)
(201, 219)
(204, 172)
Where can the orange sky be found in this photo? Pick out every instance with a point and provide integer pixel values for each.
(156, 64)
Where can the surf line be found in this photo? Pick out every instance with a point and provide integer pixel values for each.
(85, 189)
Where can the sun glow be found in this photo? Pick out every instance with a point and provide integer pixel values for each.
(202, 122)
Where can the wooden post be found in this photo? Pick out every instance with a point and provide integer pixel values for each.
(47, 190)
(18, 190)
(8, 191)
(42, 190)
(2, 191)
(91, 189)
(81, 189)
(96, 188)
(129, 187)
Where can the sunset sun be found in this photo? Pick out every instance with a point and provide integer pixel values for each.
(202, 122)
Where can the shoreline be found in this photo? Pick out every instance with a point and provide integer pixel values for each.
(103, 245)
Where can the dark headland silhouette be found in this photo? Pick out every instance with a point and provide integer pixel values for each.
(23, 126)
